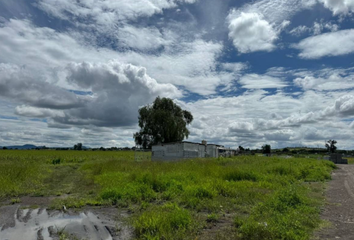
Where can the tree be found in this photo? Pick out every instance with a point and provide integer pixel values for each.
(78, 146)
(286, 150)
(266, 149)
(162, 122)
(241, 149)
(331, 146)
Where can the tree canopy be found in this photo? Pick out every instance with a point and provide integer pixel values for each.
(266, 149)
(331, 145)
(78, 146)
(162, 122)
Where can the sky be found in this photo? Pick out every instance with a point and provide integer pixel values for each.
(278, 72)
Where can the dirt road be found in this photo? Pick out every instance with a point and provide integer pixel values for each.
(339, 210)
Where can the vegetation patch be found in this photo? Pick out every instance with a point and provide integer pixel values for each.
(268, 197)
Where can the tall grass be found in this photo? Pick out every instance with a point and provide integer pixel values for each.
(268, 198)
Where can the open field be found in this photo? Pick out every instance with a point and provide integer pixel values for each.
(246, 197)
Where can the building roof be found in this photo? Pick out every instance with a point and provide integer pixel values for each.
(162, 144)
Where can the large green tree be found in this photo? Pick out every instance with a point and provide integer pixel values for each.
(266, 149)
(162, 122)
(331, 145)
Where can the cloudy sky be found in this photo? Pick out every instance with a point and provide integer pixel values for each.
(251, 72)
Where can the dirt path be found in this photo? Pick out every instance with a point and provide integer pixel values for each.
(339, 210)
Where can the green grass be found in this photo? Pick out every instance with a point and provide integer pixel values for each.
(267, 198)
(350, 160)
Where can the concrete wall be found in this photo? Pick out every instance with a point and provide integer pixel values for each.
(212, 151)
(176, 151)
(168, 152)
(337, 158)
(183, 150)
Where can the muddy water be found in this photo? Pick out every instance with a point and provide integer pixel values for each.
(39, 224)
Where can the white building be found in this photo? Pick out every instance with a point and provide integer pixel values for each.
(184, 150)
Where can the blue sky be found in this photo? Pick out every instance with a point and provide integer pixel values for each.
(251, 72)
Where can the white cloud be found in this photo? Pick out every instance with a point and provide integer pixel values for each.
(317, 28)
(276, 11)
(343, 106)
(240, 127)
(234, 67)
(256, 26)
(339, 6)
(327, 44)
(118, 92)
(106, 11)
(299, 30)
(19, 85)
(255, 81)
(329, 83)
(35, 112)
(249, 32)
(142, 38)
(190, 64)
(279, 135)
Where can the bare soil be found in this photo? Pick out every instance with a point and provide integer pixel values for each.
(339, 210)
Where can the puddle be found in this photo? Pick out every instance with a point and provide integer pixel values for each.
(39, 224)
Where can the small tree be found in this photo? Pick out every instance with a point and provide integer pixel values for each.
(266, 149)
(331, 146)
(78, 146)
(241, 149)
(162, 122)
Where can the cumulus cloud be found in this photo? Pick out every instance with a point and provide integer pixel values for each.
(190, 64)
(343, 106)
(18, 85)
(327, 44)
(111, 57)
(249, 32)
(118, 92)
(339, 6)
(256, 26)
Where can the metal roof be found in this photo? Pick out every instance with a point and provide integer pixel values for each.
(162, 144)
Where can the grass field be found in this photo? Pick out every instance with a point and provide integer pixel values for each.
(246, 197)
(350, 160)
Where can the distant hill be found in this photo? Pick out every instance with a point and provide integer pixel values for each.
(30, 146)
(26, 146)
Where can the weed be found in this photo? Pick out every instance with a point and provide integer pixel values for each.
(212, 218)
(164, 222)
(15, 200)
